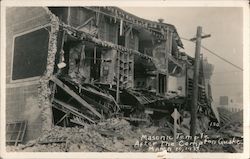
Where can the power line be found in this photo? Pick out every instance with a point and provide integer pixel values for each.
(222, 58)
(186, 39)
(227, 84)
(210, 51)
(225, 72)
(228, 72)
(237, 83)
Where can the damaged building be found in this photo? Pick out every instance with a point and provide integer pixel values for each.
(69, 66)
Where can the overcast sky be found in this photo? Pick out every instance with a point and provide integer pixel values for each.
(224, 25)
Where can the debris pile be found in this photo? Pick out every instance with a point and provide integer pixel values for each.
(232, 123)
(231, 130)
(112, 135)
(118, 135)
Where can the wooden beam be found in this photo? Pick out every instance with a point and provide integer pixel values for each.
(75, 96)
(204, 36)
(85, 23)
(134, 119)
(95, 55)
(71, 109)
(173, 71)
(121, 27)
(171, 58)
(61, 108)
(94, 102)
(158, 110)
(97, 19)
(69, 16)
(62, 119)
(77, 122)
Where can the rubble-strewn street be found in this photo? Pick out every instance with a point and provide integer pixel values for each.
(117, 135)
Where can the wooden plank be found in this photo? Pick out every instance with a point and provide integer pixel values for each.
(158, 110)
(76, 122)
(94, 102)
(126, 106)
(171, 58)
(74, 112)
(85, 23)
(24, 130)
(76, 96)
(97, 92)
(62, 119)
(134, 119)
(61, 108)
(19, 133)
(53, 141)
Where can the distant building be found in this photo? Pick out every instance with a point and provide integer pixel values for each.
(230, 103)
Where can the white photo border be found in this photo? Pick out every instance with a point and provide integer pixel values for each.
(141, 3)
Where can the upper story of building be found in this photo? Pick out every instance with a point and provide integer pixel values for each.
(155, 45)
(146, 48)
(155, 39)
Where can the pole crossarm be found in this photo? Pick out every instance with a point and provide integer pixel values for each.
(202, 37)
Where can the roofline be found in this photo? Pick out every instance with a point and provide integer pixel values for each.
(159, 23)
(145, 23)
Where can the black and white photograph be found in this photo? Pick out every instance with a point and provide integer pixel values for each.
(117, 78)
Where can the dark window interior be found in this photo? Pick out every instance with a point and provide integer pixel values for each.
(30, 54)
(95, 65)
(121, 40)
(162, 83)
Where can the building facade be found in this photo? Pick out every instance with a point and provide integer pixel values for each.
(55, 54)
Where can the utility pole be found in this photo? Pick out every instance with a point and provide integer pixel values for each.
(194, 103)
